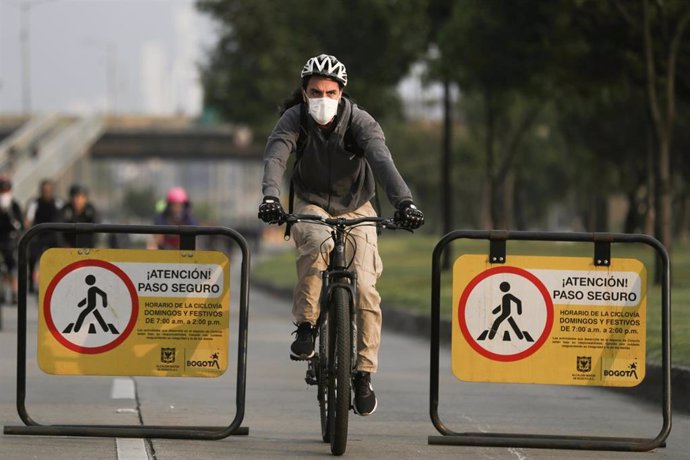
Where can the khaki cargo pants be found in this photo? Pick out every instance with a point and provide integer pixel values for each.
(313, 245)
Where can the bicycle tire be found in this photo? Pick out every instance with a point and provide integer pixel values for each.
(340, 374)
(322, 375)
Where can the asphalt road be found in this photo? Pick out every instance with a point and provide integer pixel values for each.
(282, 412)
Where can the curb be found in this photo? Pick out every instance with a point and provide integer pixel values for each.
(398, 320)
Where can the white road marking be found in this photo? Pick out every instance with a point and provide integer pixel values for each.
(482, 429)
(127, 410)
(123, 388)
(127, 448)
(517, 453)
(485, 429)
(131, 449)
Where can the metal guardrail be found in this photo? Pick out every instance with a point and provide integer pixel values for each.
(188, 236)
(602, 242)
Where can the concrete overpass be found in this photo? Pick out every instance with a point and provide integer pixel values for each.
(69, 149)
(173, 141)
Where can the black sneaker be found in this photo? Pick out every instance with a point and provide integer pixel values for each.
(365, 398)
(303, 346)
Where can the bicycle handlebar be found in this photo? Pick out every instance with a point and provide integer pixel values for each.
(342, 222)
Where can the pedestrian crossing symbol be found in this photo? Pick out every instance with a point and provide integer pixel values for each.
(505, 313)
(91, 306)
(503, 310)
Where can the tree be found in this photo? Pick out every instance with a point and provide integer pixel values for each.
(502, 51)
(439, 12)
(663, 106)
(641, 52)
(263, 45)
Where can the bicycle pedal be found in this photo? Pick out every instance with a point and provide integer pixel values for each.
(299, 358)
(310, 376)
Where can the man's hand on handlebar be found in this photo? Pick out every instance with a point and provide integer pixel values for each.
(271, 211)
(408, 216)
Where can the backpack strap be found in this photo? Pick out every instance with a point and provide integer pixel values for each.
(349, 141)
(302, 138)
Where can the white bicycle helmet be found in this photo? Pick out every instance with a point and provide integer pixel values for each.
(326, 65)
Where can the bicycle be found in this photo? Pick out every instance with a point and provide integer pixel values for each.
(333, 366)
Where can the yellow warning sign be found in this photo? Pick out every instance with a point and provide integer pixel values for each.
(134, 312)
(556, 320)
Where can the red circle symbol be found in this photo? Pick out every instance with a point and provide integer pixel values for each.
(462, 308)
(50, 291)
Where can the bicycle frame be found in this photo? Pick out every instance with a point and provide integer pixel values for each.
(338, 276)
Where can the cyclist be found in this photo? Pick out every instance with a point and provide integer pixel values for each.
(42, 209)
(11, 226)
(333, 178)
(79, 210)
(177, 211)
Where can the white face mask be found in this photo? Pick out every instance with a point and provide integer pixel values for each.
(323, 109)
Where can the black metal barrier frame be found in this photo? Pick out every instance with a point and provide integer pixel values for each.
(602, 256)
(188, 236)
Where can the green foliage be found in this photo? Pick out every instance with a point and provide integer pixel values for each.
(499, 46)
(416, 151)
(140, 202)
(501, 54)
(264, 44)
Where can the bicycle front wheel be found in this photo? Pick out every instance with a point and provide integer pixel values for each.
(322, 375)
(340, 362)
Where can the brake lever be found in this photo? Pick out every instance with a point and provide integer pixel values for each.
(281, 220)
(394, 226)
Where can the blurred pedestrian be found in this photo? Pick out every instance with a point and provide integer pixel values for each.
(11, 227)
(77, 211)
(43, 209)
(177, 212)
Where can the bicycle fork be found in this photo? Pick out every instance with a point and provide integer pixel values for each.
(328, 284)
(343, 279)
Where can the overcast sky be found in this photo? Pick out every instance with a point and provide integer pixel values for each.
(88, 56)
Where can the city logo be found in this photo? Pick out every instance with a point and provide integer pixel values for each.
(629, 371)
(167, 355)
(211, 362)
(584, 363)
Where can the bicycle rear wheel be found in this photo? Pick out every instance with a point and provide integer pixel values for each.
(322, 375)
(339, 377)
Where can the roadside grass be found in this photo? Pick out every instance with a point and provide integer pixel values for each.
(406, 280)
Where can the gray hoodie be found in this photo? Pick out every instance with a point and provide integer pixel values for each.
(327, 175)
